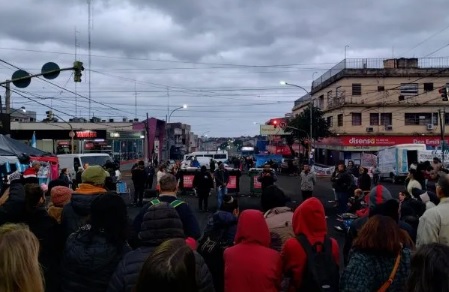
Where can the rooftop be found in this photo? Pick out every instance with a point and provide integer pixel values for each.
(381, 67)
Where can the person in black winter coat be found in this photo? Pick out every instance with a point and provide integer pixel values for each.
(203, 183)
(13, 209)
(76, 212)
(342, 182)
(139, 178)
(364, 180)
(221, 228)
(92, 254)
(47, 230)
(161, 222)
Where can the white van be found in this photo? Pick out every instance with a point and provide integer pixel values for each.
(204, 157)
(74, 161)
(219, 155)
(394, 161)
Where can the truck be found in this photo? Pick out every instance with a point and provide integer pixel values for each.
(393, 162)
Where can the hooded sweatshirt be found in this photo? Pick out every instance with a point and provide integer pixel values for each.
(308, 219)
(250, 265)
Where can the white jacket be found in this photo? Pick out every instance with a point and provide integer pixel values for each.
(434, 225)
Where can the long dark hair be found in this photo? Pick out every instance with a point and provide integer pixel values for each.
(382, 235)
(110, 217)
(33, 195)
(171, 267)
(429, 269)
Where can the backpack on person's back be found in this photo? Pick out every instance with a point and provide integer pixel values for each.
(321, 272)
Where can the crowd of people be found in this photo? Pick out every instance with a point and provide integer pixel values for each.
(59, 239)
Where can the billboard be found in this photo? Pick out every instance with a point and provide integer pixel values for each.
(266, 130)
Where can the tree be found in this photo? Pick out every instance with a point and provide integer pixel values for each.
(300, 128)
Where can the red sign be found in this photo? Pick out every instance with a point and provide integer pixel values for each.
(86, 134)
(256, 183)
(187, 181)
(232, 183)
(379, 140)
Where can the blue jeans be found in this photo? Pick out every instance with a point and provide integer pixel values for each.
(343, 199)
(221, 192)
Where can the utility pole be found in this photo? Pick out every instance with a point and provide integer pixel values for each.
(89, 28)
(8, 97)
(147, 141)
(442, 126)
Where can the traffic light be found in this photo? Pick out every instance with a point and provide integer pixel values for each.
(77, 67)
(443, 93)
(49, 115)
(275, 123)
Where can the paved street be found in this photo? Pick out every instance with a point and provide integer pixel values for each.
(323, 191)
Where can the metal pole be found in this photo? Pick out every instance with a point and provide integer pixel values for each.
(8, 97)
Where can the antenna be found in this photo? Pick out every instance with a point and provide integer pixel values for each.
(135, 100)
(89, 28)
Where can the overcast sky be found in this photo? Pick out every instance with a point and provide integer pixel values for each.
(223, 58)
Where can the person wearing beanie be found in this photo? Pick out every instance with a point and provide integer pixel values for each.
(277, 215)
(76, 212)
(60, 196)
(160, 223)
(12, 209)
(380, 203)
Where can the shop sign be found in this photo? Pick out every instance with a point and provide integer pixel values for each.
(86, 134)
(379, 141)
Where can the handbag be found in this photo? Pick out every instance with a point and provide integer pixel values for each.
(387, 283)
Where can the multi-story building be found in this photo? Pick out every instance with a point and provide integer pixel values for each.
(373, 103)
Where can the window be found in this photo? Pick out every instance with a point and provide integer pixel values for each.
(330, 121)
(330, 100)
(374, 119)
(380, 88)
(420, 119)
(356, 89)
(446, 119)
(386, 119)
(409, 89)
(428, 87)
(321, 101)
(340, 120)
(356, 119)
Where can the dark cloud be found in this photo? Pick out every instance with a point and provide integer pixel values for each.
(209, 45)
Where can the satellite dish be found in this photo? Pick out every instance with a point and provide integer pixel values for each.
(53, 70)
(22, 83)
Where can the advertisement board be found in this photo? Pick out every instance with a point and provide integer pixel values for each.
(267, 130)
(232, 183)
(355, 141)
(256, 183)
(187, 181)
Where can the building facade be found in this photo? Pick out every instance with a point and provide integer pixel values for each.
(373, 103)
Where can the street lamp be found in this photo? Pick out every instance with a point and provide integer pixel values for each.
(168, 121)
(22, 109)
(178, 108)
(71, 134)
(310, 108)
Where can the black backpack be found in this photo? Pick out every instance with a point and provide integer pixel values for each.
(321, 272)
(213, 243)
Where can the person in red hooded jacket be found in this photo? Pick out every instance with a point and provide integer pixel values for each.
(308, 219)
(251, 265)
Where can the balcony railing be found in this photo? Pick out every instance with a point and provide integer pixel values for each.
(376, 63)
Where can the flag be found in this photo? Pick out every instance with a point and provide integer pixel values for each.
(33, 140)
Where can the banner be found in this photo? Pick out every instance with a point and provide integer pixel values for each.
(232, 183)
(323, 171)
(187, 181)
(256, 184)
